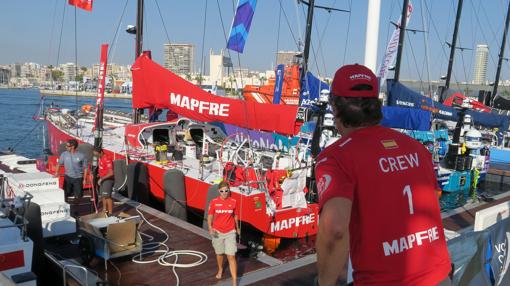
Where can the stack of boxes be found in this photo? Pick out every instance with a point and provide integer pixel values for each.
(55, 212)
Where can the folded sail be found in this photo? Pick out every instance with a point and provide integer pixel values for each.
(83, 4)
(154, 86)
(241, 25)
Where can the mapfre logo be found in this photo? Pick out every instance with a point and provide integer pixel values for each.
(323, 184)
(360, 76)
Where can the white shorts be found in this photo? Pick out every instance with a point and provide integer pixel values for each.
(225, 243)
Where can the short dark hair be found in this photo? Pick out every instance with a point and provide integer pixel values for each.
(73, 142)
(357, 111)
(98, 149)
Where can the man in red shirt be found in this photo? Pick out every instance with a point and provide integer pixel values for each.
(223, 226)
(377, 196)
(105, 182)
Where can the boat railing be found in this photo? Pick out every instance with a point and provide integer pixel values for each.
(67, 267)
(15, 207)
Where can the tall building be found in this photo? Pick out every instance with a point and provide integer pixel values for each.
(5, 75)
(480, 71)
(287, 57)
(69, 70)
(217, 67)
(179, 58)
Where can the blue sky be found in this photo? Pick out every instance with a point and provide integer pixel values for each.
(31, 28)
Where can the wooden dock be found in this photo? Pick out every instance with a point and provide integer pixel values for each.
(183, 236)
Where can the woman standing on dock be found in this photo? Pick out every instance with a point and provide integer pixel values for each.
(223, 226)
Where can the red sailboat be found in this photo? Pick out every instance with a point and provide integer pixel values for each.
(183, 158)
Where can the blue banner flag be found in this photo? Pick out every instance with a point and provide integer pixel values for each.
(278, 84)
(241, 25)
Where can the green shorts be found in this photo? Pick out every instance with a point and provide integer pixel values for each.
(225, 243)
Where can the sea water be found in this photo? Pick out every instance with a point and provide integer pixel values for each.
(18, 107)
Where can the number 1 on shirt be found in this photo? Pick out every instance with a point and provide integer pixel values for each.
(407, 190)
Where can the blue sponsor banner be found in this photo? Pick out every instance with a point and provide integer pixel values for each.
(400, 95)
(277, 95)
(311, 89)
(241, 25)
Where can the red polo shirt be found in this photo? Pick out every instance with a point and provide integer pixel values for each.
(223, 212)
(396, 231)
(105, 164)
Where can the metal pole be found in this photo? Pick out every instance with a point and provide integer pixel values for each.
(137, 112)
(454, 44)
(403, 22)
(308, 33)
(501, 53)
(372, 34)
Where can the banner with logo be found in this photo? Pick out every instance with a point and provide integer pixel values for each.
(278, 84)
(155, 86)
(391, 49)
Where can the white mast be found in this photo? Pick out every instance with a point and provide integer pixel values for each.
(372, 34)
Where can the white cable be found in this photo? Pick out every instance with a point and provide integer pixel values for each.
(152, 248)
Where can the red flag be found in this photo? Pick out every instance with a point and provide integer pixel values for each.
(84, 4)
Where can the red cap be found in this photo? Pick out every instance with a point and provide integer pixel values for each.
(348, 77)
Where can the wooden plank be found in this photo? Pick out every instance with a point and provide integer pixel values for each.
(182, 235)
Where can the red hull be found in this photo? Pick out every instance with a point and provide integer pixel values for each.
(287, 223)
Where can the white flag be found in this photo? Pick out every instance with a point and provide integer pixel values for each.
(391, 49)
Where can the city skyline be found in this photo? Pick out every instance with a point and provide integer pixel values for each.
(30, 37)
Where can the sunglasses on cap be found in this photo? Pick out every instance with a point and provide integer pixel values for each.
(224, 191)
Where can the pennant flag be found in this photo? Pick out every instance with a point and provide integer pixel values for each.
(391, 49)
(241, 25)
(83, 4)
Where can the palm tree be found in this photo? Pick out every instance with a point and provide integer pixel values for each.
(199, 78)
(262, 79)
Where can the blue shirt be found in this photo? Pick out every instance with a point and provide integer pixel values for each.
(74, 163)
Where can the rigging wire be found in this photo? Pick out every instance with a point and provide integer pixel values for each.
(278, 33)
(162, 21)
(426, 63)
(440, 40)
(296, 41)
(224, 32)
(76, 65)
(464, 68)
(483, 34)
(24, 137)
(50, 48)
(300, 40)
(202, 65)
(61, 31)
(415, 62)
(474, 31)
(348, 32)
(321, 38)
(312, 49)
(114, 40)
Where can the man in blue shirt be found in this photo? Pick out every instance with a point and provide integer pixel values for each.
(76, 167)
